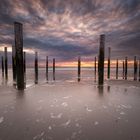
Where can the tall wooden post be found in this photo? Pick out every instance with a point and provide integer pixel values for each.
(79, 68)
(101, 60)
(2, 66)
(53, 68)
(6, 63)
(47, 68)
(135, 68)
(125, 68)
(36, 67)
(108, 72)
(19, 55)
(14, 63)
(117, 69)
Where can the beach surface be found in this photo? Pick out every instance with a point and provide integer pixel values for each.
(71, 110)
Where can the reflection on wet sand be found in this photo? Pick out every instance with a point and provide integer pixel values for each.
(108, 88)
(100, 90)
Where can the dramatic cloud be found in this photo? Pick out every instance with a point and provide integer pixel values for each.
(67, 28)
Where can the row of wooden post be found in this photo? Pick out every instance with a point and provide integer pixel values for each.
(47, 68)
(125, 67)
(19, 62)
(4, 65)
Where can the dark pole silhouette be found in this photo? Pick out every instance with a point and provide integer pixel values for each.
(135, 68)
(126, 68)
(54, 69)
(19, 55)
(47, 68)
(108, 72)
(139, 69)
(36, 67)
(14, 63)
(6, 64)
(24, 66)
(123, 70)
(95, 68)
(79, 68)
(117, 69)
(2, 66)
(101, 60)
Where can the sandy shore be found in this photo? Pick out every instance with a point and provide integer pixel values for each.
(71, 110)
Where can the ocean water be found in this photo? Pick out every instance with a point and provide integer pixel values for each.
(67, 75)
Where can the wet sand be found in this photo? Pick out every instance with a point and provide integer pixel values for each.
(71, 111)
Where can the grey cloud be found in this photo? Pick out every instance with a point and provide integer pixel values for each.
(62, 34)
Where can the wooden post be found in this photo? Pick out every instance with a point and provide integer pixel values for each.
(108, 72)
(2, 66)
(47, 68)
(79, 68)
(95, 67)
(125, 68)
(6, 64)
(53, 68)
(14, 63)
(139, 69)
(101, 60)
(19, 55)
(36, 67)
(24, 66)
(135, 68)
(117, 69)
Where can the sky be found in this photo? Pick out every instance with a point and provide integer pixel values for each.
(66, 29)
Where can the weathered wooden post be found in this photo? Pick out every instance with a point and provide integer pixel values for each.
(6, 63)
(47, 68)
(101, 60)
(125, 68)
(139, 69)
(54, 69)
(117, 69)
(2, 66)
(135, 68)
(24, 62)
(24, 66)
(108, 72)
(36, 67)
(14, 63)
(95, 67)
(19, 55)
(79, 68)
